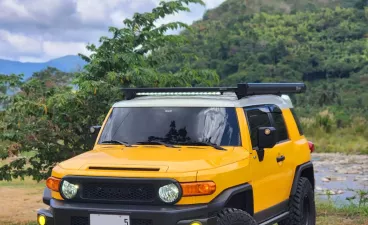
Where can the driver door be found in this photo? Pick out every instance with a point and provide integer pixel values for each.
(268, 178)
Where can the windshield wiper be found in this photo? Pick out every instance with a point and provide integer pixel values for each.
(203, 143)
(117, 142)
(156, 142)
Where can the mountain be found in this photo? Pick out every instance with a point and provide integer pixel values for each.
(69, 63)
(230, 8)
(320, 42)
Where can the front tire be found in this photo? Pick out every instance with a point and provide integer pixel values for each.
(302, 205)
(235, 217)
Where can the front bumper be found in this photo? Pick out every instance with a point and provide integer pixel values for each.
(62, 213)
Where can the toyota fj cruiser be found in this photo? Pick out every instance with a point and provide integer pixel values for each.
(190, 156)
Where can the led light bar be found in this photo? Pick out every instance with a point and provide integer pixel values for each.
(176, 93)
(242, 90)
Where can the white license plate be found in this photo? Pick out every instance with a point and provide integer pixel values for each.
(102, 219)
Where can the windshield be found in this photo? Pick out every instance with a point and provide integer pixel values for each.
(172, 125)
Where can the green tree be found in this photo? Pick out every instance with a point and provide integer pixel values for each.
(361, 4)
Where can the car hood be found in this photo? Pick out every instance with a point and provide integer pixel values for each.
(159, 159)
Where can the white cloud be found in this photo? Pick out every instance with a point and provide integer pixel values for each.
(40, 30)
(20, 42)
(58, 49)
(117, 18)
(12, 9)
(32, 59)
(91, 11)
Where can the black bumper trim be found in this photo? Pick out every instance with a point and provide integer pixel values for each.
(46, 196)
(62, 211)
(182, 215)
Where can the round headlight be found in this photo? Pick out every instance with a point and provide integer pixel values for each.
(169, 193)
(69, 190)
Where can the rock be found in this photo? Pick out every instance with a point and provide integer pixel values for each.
(318, 188)
(325, 179)
(348, 171)
(336, 178)
(340, 170)
(355, 172)
(361, 178)
(333, 192)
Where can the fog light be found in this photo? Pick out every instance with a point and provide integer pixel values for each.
(196, 223)
(41, 220)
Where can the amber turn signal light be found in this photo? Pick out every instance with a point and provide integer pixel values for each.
(53, 183)
(198, 188)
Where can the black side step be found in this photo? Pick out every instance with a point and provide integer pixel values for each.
(276, 219)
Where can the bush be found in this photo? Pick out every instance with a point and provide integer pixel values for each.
(324, 131)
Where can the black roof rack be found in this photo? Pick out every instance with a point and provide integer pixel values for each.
(242, 90)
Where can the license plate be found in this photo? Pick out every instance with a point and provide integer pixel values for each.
(102, 219)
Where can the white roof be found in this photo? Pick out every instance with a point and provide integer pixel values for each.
(206, 101)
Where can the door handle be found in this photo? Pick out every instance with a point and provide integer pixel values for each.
(280, 159)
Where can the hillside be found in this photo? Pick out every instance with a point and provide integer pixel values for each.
(326, 48)
(68, 63)
(230, 8)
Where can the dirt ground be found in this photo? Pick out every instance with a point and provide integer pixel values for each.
(20, 202)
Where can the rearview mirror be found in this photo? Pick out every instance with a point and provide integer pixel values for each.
(267, 137)
(94, 129)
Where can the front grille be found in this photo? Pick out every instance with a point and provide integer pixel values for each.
(141, 222)
(119, 192)
(78, 220)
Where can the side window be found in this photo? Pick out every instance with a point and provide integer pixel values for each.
(301, 132)
(257, 117)
(280, 126)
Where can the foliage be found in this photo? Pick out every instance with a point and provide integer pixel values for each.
(245, 8)
(8, 84)
(30, 124)
(328, 136)
(51, 119)
(326, 48)
(330, 208)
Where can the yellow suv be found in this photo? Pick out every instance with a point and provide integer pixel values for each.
(190, 156)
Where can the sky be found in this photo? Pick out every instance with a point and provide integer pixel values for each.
(40, 30)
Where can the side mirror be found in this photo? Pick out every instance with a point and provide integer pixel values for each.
(267, 137)
(94, 129)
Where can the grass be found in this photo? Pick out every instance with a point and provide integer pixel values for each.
(328, 137)
(328, 214)
(341, 141)
(26, 183)
(14, 223)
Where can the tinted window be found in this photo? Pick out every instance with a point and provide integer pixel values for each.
(173, 125)
(296, 118)
(280, 126)
(257, 117)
